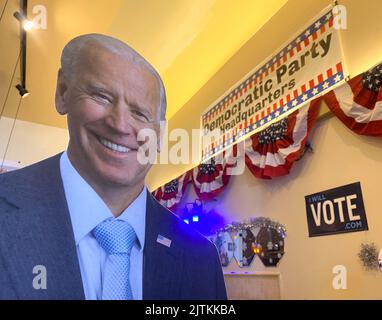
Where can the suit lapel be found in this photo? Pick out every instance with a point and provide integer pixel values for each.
(37, 231)
(162, 269)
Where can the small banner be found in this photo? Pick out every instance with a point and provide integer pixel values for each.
(337, 210)
(172, 192)
(211, 178)
(272, 152)
(358, 102)
(307, 66)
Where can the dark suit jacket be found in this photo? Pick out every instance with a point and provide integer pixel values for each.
(35, 229)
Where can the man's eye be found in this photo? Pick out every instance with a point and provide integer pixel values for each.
(101, 97)
(140, 115)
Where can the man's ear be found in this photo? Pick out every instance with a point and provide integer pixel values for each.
(61, 89)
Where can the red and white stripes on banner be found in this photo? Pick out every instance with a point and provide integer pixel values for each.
(266, 161)
(358, 102)
(170, 194)
(258, 116)
(209, 180)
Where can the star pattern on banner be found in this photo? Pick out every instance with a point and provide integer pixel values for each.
(358, 102)
(372, 79)
(273, 151)
(208, 168)
(170, 194)
(171, 186)
(274, 132)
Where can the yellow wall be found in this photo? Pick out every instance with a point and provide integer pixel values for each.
(340, 157)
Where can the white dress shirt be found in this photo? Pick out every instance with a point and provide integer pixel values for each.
(87, 210)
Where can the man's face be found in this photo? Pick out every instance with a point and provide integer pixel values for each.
(107, 102)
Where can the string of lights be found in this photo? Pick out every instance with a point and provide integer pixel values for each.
(254, 223)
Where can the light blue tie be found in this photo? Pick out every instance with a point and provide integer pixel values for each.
(117, 238)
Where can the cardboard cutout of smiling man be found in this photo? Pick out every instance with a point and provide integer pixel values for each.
(82, 224)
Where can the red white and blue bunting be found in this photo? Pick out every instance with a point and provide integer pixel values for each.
(269, 153)
(272, 152)
(358, 102)
(211, 178)
(172, 192)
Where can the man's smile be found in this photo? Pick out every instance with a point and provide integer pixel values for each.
(112, 145)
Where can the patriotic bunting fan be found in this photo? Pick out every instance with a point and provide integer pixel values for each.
(358, 103)
(272, 152)
(210, 178)
(171, 193)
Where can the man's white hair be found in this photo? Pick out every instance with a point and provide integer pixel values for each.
(72, 51)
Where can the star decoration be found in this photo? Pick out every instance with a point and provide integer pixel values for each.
(208, 168)
(372, 79)
(171, 186)
(274, 132)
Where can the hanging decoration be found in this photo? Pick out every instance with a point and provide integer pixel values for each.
(272, 152)
(358, 103)
(269, 153)
(211, 178)
(368, 255)
(273, 244)
(254, 223)
(243, 241)
(171, 193)
(224, 243)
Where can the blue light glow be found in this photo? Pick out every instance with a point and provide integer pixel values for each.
(206, 222)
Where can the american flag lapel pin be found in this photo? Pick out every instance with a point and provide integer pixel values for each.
(163, 240)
